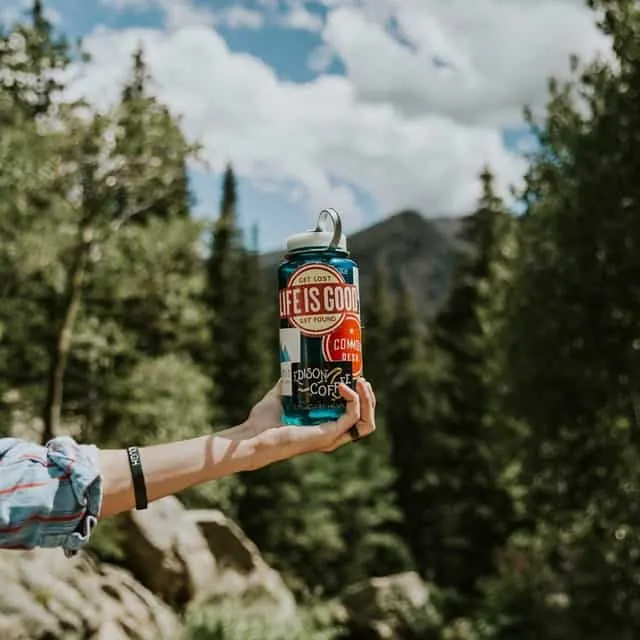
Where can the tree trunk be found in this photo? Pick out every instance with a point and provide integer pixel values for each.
(62, 347)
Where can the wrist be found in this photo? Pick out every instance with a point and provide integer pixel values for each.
(251, 452)
(233, 451)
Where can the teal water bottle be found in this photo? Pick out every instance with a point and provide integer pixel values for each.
(320, 330)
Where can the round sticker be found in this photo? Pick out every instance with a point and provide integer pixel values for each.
(317, 299)
(344, 344)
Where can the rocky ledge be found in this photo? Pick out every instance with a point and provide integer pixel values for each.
(175, 559)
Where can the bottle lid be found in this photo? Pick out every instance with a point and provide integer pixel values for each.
(315, 240)
(318, 238)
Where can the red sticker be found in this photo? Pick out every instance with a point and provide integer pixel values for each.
(344, 344)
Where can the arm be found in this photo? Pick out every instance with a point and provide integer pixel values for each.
(170, 468)
(53, 496)
(258, 442)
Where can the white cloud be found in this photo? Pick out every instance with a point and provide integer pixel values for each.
(239, 17)
(177, 13)
(408, 132)
(186, 13)
(320, 59)
(180, 14)
(297, 16)
(307, 134)
(497, 54)
(120, 5)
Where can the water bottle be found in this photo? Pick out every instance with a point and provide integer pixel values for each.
(320, 330)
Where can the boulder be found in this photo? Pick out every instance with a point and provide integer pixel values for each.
(242, 572)
(46, 596)
(166, 551)
(390, 607)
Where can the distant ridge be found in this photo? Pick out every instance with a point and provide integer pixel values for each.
(420, 252)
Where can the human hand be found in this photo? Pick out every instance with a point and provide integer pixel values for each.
(270, 441)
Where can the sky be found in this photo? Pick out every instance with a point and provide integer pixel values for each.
(366, 106)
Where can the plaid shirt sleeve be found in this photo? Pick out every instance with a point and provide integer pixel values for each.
(50, 496)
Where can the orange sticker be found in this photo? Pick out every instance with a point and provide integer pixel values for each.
(344, 344)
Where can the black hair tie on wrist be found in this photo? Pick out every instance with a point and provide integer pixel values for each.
(137, 474)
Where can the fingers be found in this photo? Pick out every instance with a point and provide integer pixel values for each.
(372, 394)
(352, 411)
(365, 425)
(359, 415)
(367, 422)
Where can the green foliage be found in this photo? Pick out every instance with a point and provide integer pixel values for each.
(408, 379)
(326, 521)
(377, 317)
(163, 399)
(156, 149)
(469, 512)
(287, 511)
(108, 541)
(367, 514)
(32, 59)
(571, 338)
(152, 281)
(239, 361)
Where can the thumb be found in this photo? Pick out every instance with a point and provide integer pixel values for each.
(351, 415)
(275, 390)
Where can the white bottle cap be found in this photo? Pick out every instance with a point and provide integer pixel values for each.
(314, 240)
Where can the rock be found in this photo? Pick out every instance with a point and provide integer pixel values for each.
(386, 608)
(242, 571)
(189, 557)
(167, 552)
(110, 631)
(48, 596)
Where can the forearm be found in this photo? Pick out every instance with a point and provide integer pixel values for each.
(173, 467)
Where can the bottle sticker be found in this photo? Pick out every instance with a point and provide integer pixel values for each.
(286, 387)
(318, 386)
(344, 344)
(289, 353)
(317, 299)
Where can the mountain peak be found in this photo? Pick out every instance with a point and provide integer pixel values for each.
(415, 251)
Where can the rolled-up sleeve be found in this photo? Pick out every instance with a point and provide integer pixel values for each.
(50, 496)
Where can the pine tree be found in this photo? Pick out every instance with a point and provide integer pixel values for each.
(377, 317)
(326, 521)
(108, 193)
(470, 513)
(573, 358)
(236, 300)
(27, 299)
(32, 58)
(405, 413)
(148, 135)
(254, 356)
(367, 512)
(222, 298)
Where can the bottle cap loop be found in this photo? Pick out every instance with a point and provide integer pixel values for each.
(336, 222)
(326, 236)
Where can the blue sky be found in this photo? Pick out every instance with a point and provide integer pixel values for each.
(368, 107)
